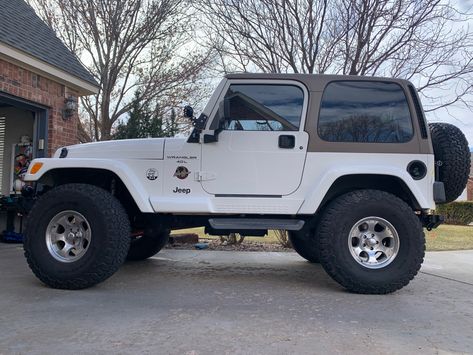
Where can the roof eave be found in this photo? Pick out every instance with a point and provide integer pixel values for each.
(38, 66)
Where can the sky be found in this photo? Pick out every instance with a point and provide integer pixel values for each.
(461, 117)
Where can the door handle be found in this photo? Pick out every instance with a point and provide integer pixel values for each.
(287, 141)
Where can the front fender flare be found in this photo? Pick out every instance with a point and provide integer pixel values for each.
(117, 167)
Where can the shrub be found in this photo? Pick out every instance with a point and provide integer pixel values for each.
(457, 212)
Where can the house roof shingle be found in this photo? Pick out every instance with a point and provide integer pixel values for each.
(22, 29)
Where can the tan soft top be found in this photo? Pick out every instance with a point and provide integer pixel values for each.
(313, 82)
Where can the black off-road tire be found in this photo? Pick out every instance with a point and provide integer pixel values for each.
(452, 155)
(305, 242)
(148, 245)
(109, 244)
(334, 229)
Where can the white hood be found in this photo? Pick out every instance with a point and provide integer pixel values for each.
(144, 148)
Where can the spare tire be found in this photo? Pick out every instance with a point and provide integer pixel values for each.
(452, 158)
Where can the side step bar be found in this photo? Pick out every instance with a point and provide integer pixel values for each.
(255, 224)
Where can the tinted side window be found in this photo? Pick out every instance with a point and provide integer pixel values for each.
(364, 111)
(263, 107)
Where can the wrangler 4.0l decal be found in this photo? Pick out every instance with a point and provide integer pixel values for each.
(181, 157)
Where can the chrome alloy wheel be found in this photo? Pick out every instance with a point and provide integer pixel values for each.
(68, 236)
(373, 242)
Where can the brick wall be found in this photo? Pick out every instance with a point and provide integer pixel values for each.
(30, 86)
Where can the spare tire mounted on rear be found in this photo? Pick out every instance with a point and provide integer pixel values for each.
(452, 158)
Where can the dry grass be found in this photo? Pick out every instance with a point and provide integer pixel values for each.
(445, 237)
(449, 237)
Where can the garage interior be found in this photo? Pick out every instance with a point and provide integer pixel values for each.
(23, 131)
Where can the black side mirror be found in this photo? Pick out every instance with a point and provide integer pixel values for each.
(197, 122)
(188, 112)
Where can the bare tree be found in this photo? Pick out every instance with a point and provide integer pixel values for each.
(426, 41)
(271, 36)
(129, 46)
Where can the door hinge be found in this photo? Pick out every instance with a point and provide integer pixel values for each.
(204, 176)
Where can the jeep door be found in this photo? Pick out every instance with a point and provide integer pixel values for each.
(261, 145)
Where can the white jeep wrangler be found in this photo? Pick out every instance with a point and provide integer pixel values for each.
(347, 165)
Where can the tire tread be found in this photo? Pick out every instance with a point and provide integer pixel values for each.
(347, 202)
(116, 246)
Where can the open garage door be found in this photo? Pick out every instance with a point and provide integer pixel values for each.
(23, 136)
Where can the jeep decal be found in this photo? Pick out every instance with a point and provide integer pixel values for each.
(178, 190)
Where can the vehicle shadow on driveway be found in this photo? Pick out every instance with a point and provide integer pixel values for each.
(280, 270)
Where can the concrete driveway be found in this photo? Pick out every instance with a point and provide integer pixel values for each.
(208, 302)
